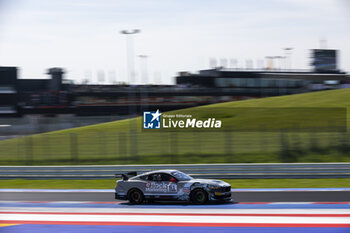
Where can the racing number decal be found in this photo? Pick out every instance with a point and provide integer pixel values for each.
(172, 187)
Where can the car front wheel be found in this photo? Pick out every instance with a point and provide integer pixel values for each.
(199, 196)
(135, 197)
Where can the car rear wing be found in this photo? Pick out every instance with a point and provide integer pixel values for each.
(126, 176)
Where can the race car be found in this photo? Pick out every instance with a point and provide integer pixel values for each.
(170, 185)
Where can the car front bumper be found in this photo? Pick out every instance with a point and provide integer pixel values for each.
(220, 196)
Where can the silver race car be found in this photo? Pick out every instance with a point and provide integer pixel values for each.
(170, 185)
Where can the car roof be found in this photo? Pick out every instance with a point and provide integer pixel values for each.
(169, 171)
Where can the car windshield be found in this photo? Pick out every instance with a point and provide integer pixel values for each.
(181, 176)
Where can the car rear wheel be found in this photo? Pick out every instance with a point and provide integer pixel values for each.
(199, 196)
(135, 196)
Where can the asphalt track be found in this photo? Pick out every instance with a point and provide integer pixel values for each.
(89, 211)
(290, 196)
(114, 217)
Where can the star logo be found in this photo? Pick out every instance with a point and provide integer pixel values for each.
(156, 115)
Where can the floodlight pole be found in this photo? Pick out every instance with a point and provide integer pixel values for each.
(145, 70)
(144, 89)
(288, 54)
(130, 62)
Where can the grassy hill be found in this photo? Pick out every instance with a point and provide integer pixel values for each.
(122, 142)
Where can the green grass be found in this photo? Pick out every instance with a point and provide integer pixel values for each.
(117, 143)
(235, 183)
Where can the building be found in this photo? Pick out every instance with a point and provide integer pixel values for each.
(263, 83)
(8, 91)
(55, 95)
(271, 82)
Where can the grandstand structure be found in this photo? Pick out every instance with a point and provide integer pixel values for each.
(56, 95)
(8, 91)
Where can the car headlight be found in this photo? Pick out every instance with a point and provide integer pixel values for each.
(213, 186)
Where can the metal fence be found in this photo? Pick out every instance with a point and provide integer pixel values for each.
(132, 147)
(218, 171)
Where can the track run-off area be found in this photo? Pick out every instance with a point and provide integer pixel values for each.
(57, 211)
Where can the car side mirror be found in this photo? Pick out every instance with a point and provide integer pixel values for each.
(172, 180)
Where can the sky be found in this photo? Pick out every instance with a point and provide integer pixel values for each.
(83, 36)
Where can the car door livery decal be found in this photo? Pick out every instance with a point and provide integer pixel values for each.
(162, 187)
